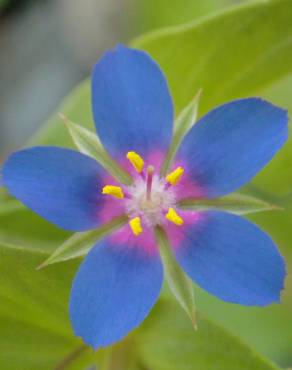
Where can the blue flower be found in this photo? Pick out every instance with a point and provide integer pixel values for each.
(120, 279)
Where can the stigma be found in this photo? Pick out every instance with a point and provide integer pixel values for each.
(151, 199)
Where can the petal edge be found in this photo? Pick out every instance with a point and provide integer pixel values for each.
(61, 185)
(131, 103)
(230, 144)
(113, 292)
(232, 259)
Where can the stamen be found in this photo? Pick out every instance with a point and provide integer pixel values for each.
(172, 216)
(150, 171)
(115, 191)
(174, 177)
(135, 225)
(136, 161)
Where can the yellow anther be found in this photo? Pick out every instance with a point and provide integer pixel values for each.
(174, 177)
(136, 161)
(115, 191)
(174, 217)
(135, 225)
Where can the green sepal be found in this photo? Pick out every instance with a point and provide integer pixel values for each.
(180, 285)
(80, 243)
(239, 204)
(87, 142)
(183, 123)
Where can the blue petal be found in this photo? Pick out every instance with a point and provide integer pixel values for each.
(232, 259)
(61, 185)
(229, 145)
(113, 292)
(132, 107)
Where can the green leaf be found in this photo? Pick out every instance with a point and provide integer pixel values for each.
(153, 14)
(180, 285)
(79, 244)
(88, 143)
(239, 204)
(21, 226)
(35, 327)
(167, 341)
(184, 122)
(7, 203)
(229, 54)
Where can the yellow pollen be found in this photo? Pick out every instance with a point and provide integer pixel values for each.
(135, 225)
(174, 217)
(174, 177)
(136, 161)
(115, 191)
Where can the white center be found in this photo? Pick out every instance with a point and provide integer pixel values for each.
(151, 210)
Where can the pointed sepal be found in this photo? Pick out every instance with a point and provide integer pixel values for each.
(180, 285)
(183, 123)
(238, 204)
(79, 244)
(87, 142)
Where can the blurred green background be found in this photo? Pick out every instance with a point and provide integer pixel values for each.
(227, 48)
(48, 46)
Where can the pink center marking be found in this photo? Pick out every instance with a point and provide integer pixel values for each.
(184, 189)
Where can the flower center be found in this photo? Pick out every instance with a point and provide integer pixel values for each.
(150, 200)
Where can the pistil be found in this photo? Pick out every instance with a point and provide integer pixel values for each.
(149, 180)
